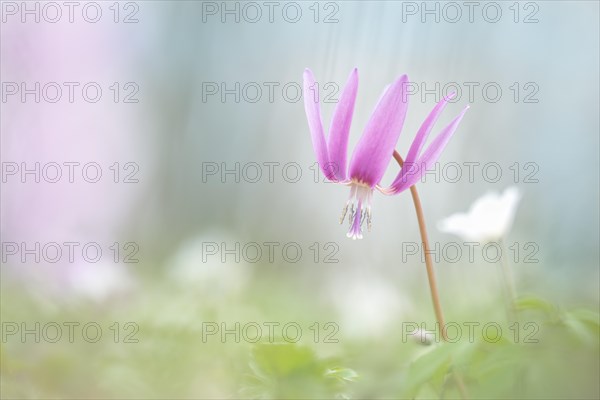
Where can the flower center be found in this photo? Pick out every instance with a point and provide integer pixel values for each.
(359, 207)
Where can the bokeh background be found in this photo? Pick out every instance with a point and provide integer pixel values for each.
(169, 57)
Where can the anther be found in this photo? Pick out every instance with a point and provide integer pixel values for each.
(344, 212)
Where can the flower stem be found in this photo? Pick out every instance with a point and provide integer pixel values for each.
(509, 284)
(435, 297)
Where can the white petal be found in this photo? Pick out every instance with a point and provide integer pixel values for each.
(489, 218)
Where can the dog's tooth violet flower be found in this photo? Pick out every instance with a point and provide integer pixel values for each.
(375, 148)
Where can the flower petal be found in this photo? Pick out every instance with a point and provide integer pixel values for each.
(376, 146)
(313, 115)
(489, 218)
(340, 127)
(425, 128)
(411, 173)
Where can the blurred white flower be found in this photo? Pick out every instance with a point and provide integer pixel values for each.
(489, 218)
(368, 306)
(99, 281)
(424, 337)
(198, 265)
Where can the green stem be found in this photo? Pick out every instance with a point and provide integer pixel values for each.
(509, 284)
(435, 297)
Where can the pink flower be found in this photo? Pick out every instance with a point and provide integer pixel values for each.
(375, 148)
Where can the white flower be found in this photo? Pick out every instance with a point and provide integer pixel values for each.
(367, 305)
(489, 218)
(190, 267)
(100, 281)
(424, 337)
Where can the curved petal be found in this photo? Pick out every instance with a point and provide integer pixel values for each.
(376, 146)
(420, 138)
(423, 132)
(313, 115)
(411, 173)
(340, 127)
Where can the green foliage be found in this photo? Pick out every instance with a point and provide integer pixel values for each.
(429, 368)
(537, 304)
(584, 324)
(289, 371)
(516, 364)
(551, 352)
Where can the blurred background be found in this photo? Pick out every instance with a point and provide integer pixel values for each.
(159, 187)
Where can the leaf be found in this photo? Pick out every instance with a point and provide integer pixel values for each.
(586, 316)
(343, 374)
(536, 304)
(431, 365)
(285, 370)
(584, 324)
(281, 359)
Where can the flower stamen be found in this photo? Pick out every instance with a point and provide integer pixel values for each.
(344, 212)
(359, 205)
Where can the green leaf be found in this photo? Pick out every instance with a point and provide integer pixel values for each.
(343, 374)
(281, 359)
(584, 324)
(589, 317)
(429, 366)
(536, 304)
(285, 370)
